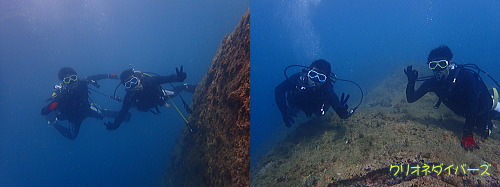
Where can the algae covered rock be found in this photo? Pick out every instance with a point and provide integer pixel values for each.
(217, 152)
(375, 146)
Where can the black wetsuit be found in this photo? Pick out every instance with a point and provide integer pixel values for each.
(464, 92)
(73, 105)
(150, 97)
(294, 93)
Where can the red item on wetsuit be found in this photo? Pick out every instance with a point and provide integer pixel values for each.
(53, 106)
(113, 76)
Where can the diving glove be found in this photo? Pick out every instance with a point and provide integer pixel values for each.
(343, 100)
(181, 76)
(411, 74)
(468, 142)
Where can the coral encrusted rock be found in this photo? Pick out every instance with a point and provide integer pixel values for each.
(215, 150)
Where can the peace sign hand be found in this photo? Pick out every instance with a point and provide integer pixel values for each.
(344, 101)
(181, 76)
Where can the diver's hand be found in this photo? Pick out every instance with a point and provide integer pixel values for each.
(343, 100)
(181, 76)
(411, 74)
(110, 126)
(468, 142)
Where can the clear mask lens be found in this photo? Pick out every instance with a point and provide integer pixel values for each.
(131, 83)
(68, 79)
(440, 63)
(316, 76)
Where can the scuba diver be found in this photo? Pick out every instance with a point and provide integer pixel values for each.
(70, 101)
(145, 92)
(460, 89)
(310, 91)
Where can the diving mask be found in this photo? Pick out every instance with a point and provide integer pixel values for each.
(132, 82)
(316, 76)
(438, 63)
(70, 78)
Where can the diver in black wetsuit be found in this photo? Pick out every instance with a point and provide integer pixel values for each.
(310, 91)
(460, 89)
(70, 101)
(145, 92)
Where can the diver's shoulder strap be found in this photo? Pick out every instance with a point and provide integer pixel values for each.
(457, 71)
(450, 88)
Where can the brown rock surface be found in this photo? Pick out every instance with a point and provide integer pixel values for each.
(217, 153)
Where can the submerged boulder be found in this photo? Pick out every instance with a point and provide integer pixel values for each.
(214, 149)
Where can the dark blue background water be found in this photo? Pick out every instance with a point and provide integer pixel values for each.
(94, 37)
(363, 40)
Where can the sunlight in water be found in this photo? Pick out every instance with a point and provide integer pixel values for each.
(40, 13)
(297, 17)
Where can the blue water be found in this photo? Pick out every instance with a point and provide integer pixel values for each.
(37, 38)
(363, 40)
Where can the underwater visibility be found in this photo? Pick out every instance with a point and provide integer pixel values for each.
(249, 93)
(100, 93)
(425, 112)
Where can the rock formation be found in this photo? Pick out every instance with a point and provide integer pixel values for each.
(386, 132)
(215, 150)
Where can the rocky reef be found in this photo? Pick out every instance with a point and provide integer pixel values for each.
(214, 151)
(376, 144)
